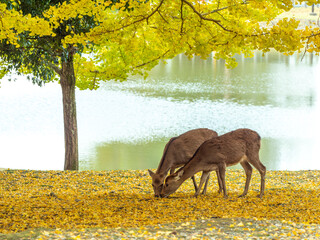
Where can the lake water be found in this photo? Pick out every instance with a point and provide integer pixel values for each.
(125, 125)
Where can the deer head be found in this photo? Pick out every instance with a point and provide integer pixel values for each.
(157, 182)
(172, 183)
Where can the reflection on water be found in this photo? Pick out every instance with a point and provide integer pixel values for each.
(116, 155)
(275, 154)
(126, 125)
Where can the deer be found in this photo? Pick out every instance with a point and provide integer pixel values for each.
(239, 146)
(177, 153)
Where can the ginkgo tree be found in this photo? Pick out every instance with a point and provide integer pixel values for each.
(83, 42)
(45, 39)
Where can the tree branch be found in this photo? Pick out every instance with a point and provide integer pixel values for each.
(305, 50)
(181, 9)
(137, 66)
(55, 68)
(139, 20)
(198, 13)
(307, 44)
(216, 10)
(162, 17)
(205, 18)
(221, 9)
(146, 63)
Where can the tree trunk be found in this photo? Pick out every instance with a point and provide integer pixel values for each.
(68, 82)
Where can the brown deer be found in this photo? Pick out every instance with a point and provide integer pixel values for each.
(177, 153)
(239, 146)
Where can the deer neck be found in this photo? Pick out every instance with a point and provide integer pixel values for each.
(163, 169)
(190, 169)
(166, 160)
(165, 164)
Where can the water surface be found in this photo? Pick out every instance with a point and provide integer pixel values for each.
(125, 125)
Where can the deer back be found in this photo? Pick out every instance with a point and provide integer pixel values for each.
(230, 148)
(179, 150)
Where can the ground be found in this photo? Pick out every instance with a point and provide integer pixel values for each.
(120, 204)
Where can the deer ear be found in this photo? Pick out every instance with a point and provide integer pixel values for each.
(150, 173)
(178, 175)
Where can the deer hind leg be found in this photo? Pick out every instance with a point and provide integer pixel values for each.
(248, 170)
(219, 181)
(204, 177)
(222, 175)
(255, 161)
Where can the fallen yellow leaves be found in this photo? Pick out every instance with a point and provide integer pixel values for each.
(110, 199)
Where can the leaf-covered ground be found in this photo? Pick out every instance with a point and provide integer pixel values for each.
(121, 202)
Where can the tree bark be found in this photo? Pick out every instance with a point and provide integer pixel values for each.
(68, 83)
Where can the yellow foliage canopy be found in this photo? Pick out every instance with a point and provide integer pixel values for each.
(12, 23)
(130, 42)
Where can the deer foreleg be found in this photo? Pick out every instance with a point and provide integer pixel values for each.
(202, 180)
(206, 185)
(194, 183)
